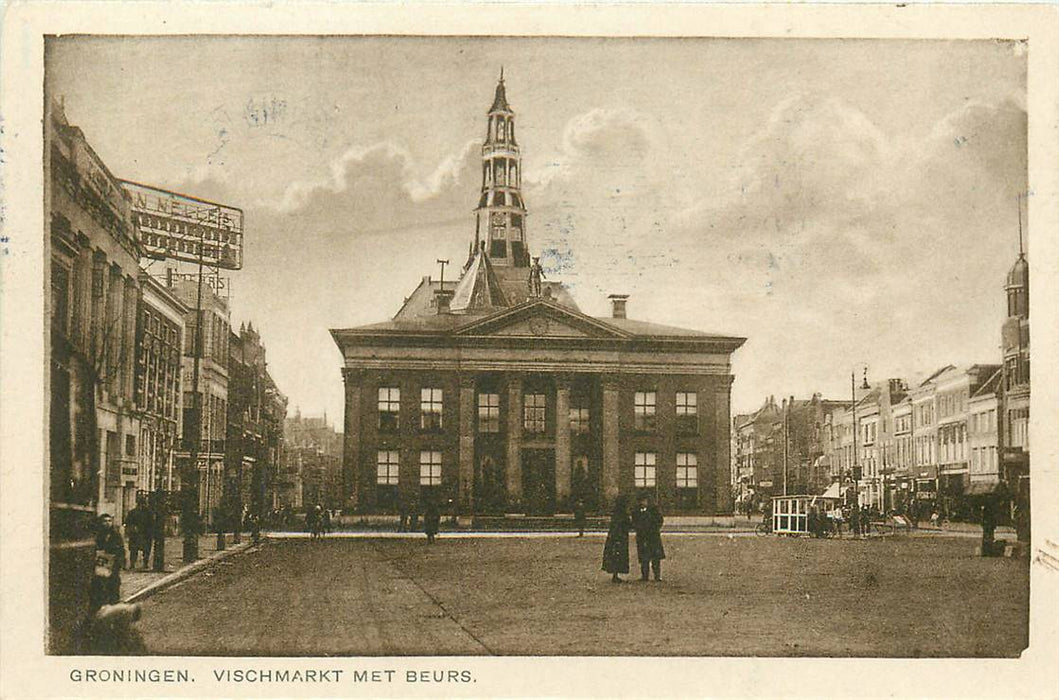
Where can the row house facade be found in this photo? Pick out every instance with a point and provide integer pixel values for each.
(314, 447)
(207, 335)
(95, 300)
(159, 395)
(927, 443)
(256, 410)
(497, 394)
(804, 467)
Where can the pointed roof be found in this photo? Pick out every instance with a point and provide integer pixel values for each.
(479, 286)
(500, 100)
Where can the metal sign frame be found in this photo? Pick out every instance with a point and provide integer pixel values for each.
(176, 226)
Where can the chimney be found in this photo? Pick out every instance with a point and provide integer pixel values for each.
(617, 305)
(442, 299)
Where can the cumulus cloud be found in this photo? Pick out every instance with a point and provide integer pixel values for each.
(877, 245)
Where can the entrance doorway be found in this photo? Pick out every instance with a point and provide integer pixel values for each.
(538, 481)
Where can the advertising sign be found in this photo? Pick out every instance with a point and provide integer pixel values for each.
(176, 226)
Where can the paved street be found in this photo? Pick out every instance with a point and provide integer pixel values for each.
(726, 596)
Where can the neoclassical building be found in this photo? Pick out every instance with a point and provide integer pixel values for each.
(497, 392)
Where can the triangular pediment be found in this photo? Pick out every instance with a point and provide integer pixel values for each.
(541, 319)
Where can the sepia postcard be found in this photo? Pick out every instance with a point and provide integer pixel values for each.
(476, 350)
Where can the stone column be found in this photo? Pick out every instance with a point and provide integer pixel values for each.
(562, 440)
(351, 438)
(611, 437)
(467, 430)
(722, 425)
(514, 438)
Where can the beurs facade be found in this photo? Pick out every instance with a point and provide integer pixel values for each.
(497, 392)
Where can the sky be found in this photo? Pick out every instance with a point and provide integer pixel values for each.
(839, 203)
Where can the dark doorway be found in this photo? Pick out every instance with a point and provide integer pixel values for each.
(538, 481)
(489, 487)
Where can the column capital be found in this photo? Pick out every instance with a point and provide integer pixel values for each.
(610, 382)
(351, 375)
(563, 380)
(468, 381)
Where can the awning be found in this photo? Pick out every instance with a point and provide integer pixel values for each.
(983, 488)
(832, 491)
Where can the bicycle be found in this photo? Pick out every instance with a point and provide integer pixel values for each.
(763, 529)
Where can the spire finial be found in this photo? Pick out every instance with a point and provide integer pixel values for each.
(501, 73)
(1018, 202)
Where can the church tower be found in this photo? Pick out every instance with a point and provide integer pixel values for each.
(500, 218)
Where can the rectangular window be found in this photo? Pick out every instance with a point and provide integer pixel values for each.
(130, 445)
(389, 408)
(430, 403)
(644, 410)
(687, 470)
(533, 413)
(579, 421)
(60, 297)
(430, 468)
(644, 470)
(489, 413)
(687, 413)
(388, 464)
(687, 403)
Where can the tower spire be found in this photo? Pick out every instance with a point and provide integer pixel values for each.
(1018, 204)
(500, 217)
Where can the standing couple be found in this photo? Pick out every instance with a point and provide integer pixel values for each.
(647, 521)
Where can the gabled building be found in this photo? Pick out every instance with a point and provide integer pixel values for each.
(496, 392)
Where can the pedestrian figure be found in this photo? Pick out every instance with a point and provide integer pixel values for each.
(110, 560)
(402, 512)
(139, 525)
(579, 517)
(431, 520)
(414, 525)
(616, 548)
(812, 522)
(255, 528)
(325, 523)
(310, 522)
(647, 521)
(865, 519)
(854, 521)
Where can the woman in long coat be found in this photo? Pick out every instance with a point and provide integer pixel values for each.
(616, 548)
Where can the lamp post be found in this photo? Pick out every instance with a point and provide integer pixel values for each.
(189, 482)
(853, 408)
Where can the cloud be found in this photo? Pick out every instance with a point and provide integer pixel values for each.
(835, 230)
(599, 202)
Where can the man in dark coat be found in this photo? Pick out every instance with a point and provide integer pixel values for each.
(579, 517)
(139, 525)
(616, 548)
(431, 520)
(110, 560)
(647, 521)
